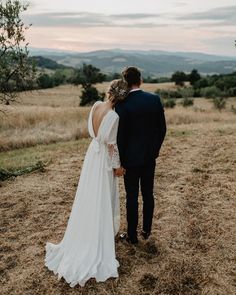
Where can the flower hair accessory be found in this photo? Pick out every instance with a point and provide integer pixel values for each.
(118, 90)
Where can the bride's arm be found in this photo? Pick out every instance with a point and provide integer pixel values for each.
(114, 154)
(112, 145)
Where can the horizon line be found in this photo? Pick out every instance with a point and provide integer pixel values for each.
(121, 49)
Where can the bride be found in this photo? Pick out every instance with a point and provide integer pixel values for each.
(87, 249)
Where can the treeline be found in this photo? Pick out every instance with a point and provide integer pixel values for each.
(47, 63)
(51, 74)
(210, 86)
(156, 80)
(56, 78)
(217, 87)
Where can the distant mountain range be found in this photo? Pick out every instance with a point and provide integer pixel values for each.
(152, 63)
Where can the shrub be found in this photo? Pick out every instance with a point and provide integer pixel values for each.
(179, 78)
(86, 76)
(169, 93)
(232, 91)
(59, 77)
(45, 81)
(226, 82)
(203, 82)
(197, 92)
(219, 103)
(186, 92)
(90, 95)
(156, 80)
(169, 103)
(210, 92)
(193, 77)
(186, 102)
(233, 109)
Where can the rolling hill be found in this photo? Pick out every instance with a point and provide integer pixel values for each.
(152, 63)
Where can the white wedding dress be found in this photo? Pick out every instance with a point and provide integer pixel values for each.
(87, 249)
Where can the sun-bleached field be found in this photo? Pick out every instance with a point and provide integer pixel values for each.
(193, 246)
(48, 116)
(54, 115)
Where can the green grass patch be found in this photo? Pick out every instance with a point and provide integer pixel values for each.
(21, 158)
(5, 174)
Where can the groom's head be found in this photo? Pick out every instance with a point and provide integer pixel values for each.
(132, 76)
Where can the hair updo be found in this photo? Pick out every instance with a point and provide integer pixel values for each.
(118, 90)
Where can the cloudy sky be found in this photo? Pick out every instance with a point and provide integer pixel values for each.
(173, 25)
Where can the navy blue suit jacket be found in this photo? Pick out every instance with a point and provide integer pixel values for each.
(142, 128)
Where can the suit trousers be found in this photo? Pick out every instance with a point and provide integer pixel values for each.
(135, 177)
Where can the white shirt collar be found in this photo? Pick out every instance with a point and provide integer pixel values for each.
(136, 89)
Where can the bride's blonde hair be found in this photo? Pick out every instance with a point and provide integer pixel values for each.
(118, 90)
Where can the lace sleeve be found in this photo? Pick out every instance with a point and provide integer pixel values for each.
(113, 151)
(114, 155)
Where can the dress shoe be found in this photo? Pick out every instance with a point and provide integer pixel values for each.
(126, 238)
(145, 235)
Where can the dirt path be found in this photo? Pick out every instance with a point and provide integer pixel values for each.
(194, 226)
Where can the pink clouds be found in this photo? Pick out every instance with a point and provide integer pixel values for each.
(160, 29)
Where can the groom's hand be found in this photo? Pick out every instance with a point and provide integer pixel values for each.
(119, 171)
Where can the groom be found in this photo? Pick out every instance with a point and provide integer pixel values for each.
(141, 132)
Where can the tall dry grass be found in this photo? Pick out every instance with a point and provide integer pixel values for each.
(61, 96)
(68, 95)
(181, 115)
(25, 126)
(53, 115)
(193, 243)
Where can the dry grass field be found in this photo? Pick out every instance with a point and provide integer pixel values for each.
(48, 116)
(193, 246)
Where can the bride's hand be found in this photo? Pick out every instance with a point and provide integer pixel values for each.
(119, 171)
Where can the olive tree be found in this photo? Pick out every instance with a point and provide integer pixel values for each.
(17, 72)
(87, 76)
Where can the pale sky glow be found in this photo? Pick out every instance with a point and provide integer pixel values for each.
(205, 26)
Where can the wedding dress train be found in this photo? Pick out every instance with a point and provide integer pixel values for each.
(87, 249)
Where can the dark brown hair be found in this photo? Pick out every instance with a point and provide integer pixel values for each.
(132, 76)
